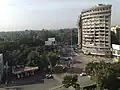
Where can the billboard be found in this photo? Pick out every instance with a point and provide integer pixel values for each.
(51, 39)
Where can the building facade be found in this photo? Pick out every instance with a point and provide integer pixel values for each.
(96, 30)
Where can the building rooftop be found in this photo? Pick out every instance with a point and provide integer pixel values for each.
(96, 6)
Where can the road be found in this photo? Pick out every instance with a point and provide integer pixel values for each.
(88, 58)
(48, 83)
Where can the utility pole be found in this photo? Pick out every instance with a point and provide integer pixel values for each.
(71, 48)
(6, 68)
(51, 69)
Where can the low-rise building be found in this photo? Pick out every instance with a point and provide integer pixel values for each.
(116, 52)
(51, 41)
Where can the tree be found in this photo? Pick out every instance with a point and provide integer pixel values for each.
(33, 58)
(44, 61)
(71, 80)
(114, 38)
(53, 58)
(22, 47)
(104, 74)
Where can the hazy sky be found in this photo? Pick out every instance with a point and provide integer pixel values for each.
(48, 14)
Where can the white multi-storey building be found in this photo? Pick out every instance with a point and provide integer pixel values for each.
(96, 30)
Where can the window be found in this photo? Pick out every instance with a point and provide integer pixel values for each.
(102, 34)
(101, 16)
(106, 45)
(106, 20)
(106, 27)
(101, 27)
(106, 16)
(96, 27)
(106, 9)
(106, 24)
(102, 42)
(119, 52)
(106, 31)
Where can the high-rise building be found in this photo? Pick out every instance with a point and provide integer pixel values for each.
(96, 30)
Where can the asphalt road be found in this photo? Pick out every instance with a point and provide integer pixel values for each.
(88, 58)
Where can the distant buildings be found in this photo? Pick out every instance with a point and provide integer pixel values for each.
(51, 45)
(94, 30)
(51, 41)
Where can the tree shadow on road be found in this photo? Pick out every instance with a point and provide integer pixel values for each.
(77, 62)
(15, 88)
(75, 70)
(26, 81)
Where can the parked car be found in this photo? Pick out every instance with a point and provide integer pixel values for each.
(49, 76)
(83, 74)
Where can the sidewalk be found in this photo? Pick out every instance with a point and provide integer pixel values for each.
(57, 78)
(2, 89)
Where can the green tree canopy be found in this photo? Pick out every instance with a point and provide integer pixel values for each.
(71, 80)
(104, 74)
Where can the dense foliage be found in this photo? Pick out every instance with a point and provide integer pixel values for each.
(28, 47)
(71, 80)
(104, 74)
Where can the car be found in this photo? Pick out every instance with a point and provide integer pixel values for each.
(49, 76)
(89, 76)
(83, 74)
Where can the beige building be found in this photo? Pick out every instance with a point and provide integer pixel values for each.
(96, 30)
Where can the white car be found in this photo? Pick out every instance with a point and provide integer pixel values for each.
(83, 74)
(49, 76)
